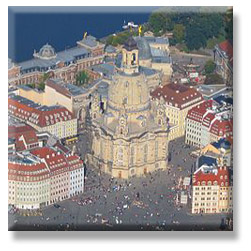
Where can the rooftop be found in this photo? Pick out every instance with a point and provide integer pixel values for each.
(67, 89)
(36, 114)
(68, 55)
(213, 174)
(177, 95)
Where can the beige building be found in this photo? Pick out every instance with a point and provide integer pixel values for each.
(57, 92)
(212, 190)
(178, 100)
(131, 134)
(29, 182)
(56, 120)
(43, 176)
(208, 122)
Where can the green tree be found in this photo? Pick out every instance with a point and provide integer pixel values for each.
(160, 22)
(179, 32)
(229, 24)
(82, 78)
(41, 86)
(32, 85)
(195, 37)
(213, 79)
(209, 67)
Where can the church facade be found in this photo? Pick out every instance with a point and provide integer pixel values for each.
(130, 136)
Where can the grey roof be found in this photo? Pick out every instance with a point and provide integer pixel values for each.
(148, 52)
(110, 49)
(103, 88)
(147, 71)
(160, 56)
(157, 40)
(158, 53)
(144, 48)
(75, 90)
(167, 60)
(118, 61)
(89, 41)
(64, 56)
(106, 69)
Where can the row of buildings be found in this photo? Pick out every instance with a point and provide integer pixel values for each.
(208, 122)
(63, 65)
(57, 120)
(42, 176)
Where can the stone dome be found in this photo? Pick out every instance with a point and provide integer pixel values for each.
(47, 52)
(130, 92)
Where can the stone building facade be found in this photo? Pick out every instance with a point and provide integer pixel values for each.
(62, 65)
(130, 136)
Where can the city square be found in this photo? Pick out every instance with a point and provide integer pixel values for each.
(147, 203)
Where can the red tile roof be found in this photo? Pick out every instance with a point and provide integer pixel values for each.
(222, 175)
(28, 134)
(227, 47)
(57, 160)
(18, 130)
(177, 95)
(222, 128)
(38, 116)
(196, 113)
(32, 170)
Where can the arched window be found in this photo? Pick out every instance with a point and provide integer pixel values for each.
(215, 183)
(133, 59)
(209, 183)
(203, 183)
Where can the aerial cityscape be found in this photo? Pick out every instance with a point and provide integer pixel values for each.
(131, 130)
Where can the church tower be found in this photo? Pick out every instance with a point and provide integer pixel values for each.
(130, 57)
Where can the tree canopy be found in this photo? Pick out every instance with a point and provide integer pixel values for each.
(209, 67)
(179, 32)
(82, 78)
(194, 28)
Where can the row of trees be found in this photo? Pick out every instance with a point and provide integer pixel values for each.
(194, 29)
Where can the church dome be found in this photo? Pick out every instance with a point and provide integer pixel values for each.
(130, 44)
(46, 52)
(129, 92)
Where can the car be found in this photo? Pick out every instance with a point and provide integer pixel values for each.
(56, 206)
